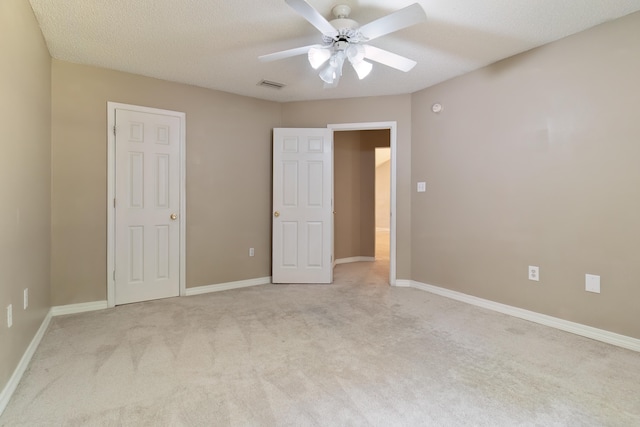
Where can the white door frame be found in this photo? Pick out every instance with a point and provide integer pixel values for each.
(393, 127)
(111, 187)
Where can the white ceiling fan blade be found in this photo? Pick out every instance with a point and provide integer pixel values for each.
(287, 53)
(387, 58)
(313, 16)
(403, 18)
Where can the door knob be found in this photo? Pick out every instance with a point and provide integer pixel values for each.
(276, 214)
(173, 217)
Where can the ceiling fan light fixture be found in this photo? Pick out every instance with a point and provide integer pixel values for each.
(328, 74)
(333, 71)
(318, 56)
(355, 53)
(337, 59)
(363, 68)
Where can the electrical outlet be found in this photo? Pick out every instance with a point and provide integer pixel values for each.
(9, 315)
(422, 187)
(534, 273)
(251, 252)
(592, 283)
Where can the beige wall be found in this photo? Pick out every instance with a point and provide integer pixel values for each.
(363, 110)
(228, 178)
(347, 190)
(369, 141)
(25, 108)
(535, 161)
(368, 195)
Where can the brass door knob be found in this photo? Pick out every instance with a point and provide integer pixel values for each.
(173, 217)
(276, 214)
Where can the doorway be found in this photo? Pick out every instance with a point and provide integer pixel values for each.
(354, 190)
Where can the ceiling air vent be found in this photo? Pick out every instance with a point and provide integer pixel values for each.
(272, 85)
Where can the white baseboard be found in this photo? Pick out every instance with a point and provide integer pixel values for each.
(355, 259)
(8, 390)
(403, 283)
(554, 322)
(227, 286)
(61, 310)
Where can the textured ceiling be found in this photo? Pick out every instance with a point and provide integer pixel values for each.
(216, 43)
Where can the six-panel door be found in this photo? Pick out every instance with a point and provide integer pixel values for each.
(147, 231)
(302, 206)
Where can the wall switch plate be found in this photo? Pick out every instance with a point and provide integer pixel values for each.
(422, 187)
(592, 283)
(534, 273)
(9, 315)
(26, 299)
(251, 252)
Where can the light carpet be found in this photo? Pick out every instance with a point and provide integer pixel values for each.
(355, 353)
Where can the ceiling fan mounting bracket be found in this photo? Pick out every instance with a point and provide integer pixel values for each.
(341, 11)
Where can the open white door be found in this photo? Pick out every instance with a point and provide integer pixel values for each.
(302, 206)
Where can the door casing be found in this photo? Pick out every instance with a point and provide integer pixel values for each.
(392, 126)
(111, 186)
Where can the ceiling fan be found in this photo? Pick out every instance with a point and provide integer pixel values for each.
(344, 39)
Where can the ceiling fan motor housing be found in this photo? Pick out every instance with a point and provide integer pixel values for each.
(344, 23)
(347, 32)
(346, 27)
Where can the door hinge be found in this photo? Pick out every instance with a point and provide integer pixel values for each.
(114, 275)
(114, 202)
(114, 130)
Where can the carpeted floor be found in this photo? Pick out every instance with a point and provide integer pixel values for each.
(355, 353)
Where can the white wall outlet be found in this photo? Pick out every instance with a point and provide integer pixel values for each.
(592, 283)
(534, 273)
(9, 315)
(422, 187)
(252, 252)
(26, 299)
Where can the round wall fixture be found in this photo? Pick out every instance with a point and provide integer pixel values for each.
(436, 108)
